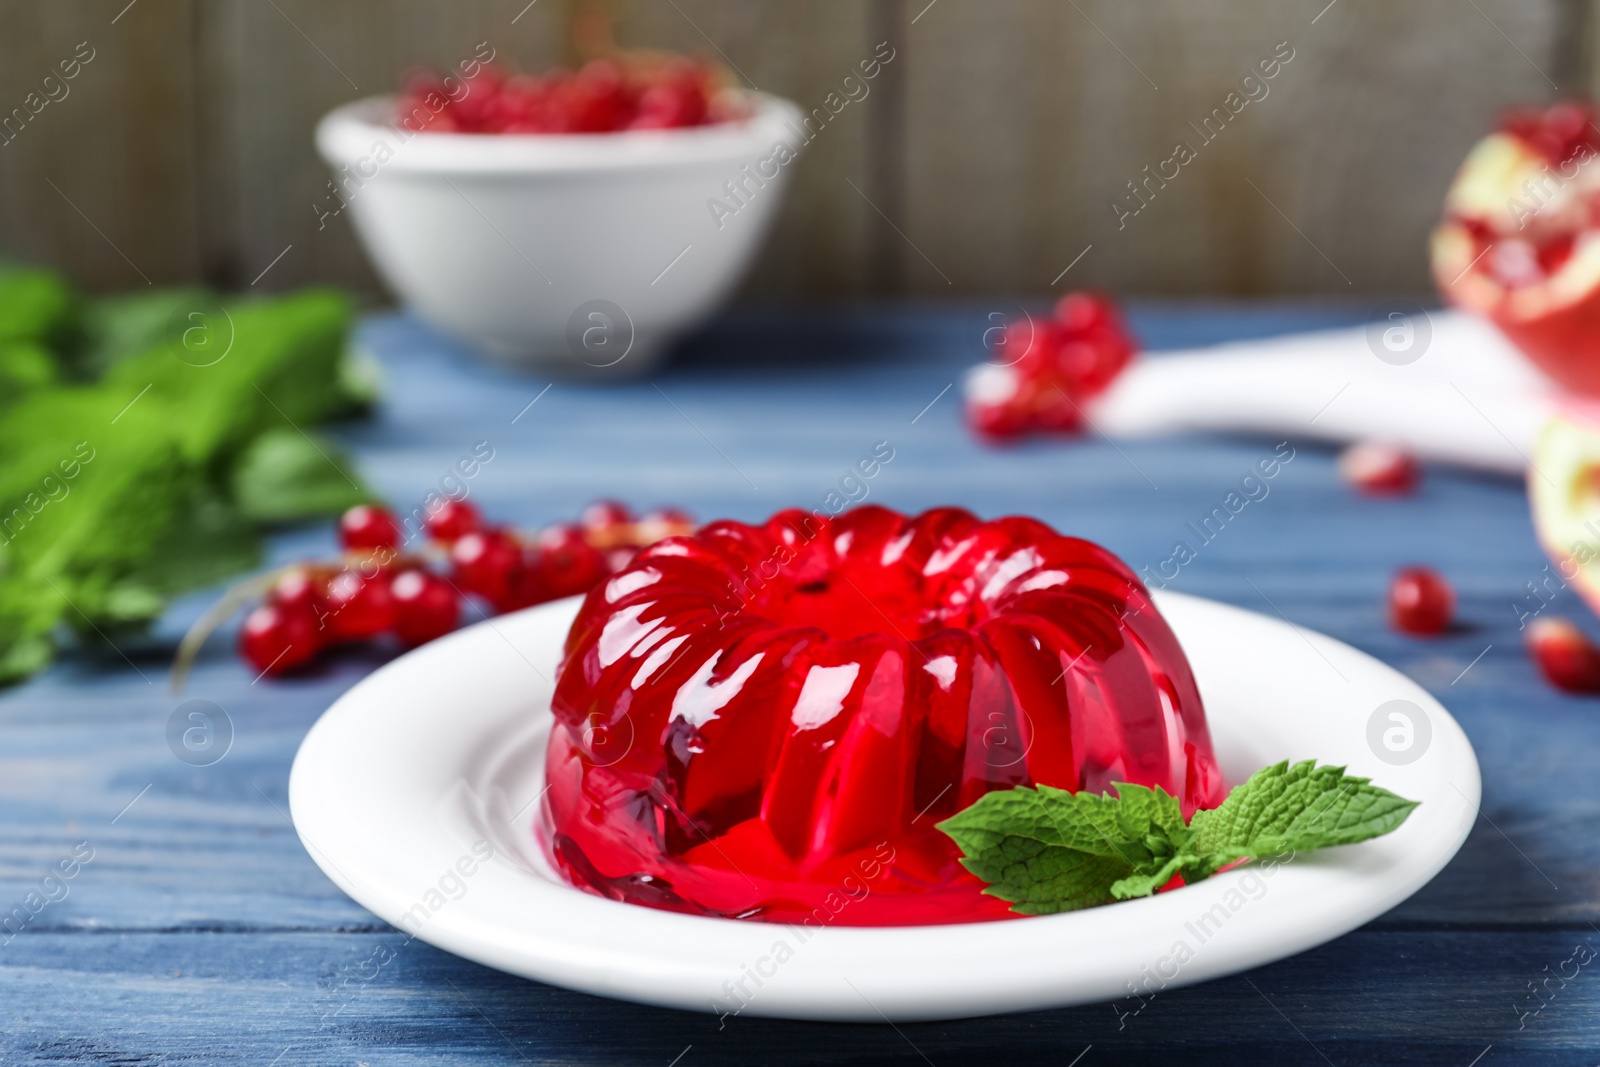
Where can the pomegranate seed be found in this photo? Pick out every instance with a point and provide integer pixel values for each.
(1565, 655)
(359, 607)
(425, 606)
(1084, 312)
(1045, 368)
(1379, 469)
(1420, 601)
(278, 637)
(366, 527)
(485, 561)
(453, 520)
(567, 563)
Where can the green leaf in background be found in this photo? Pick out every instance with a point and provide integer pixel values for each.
(239, 369)
(118, 327)
(187, 426)
(37, 306)
(29, 610)
(285, 475)
(214, 543)
(1047, 850)
(25, 365)
(71, 506)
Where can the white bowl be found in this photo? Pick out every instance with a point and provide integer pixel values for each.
(577, 253)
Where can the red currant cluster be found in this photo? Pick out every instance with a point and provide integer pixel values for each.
(376, 589)
(1043, 369)
(602, 97)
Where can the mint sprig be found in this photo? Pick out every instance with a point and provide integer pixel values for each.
(1047, 850)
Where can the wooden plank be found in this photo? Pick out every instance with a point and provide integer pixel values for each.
(277, 72)
(101, 181)
(1425, 998)
(273, 70)
(985, 158)
(1023, 130)
(80, 743)
(201, 925)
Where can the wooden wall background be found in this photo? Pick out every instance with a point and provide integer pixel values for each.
(995, 141)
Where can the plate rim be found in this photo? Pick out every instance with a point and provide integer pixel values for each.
(989, 981)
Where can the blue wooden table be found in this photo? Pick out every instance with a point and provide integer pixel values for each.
(194, 927)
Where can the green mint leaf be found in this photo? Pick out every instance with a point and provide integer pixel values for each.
(37, 306)
(1144, 883)
(1143, 809)
(121, 326)
(1045, 850)
(284, 475)
(1296, 808)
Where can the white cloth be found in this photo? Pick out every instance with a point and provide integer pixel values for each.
(1468, 398)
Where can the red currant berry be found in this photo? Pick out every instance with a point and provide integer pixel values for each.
(425, 606)
(1420, 601)
(1565, 655)
(278, 638)
(662, 523)
(485, 561)
(567, 563)
(1379, 469)
(301, 589)
(366, 527)
(359, 606)
(528, 584)
(605, 515)
(453, 520)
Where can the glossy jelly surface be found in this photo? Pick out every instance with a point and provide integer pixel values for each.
(767, 722)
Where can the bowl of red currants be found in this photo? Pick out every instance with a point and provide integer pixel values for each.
(574, 222)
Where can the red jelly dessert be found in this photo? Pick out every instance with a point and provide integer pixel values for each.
(1520, 239)
(1044, 370)
(768, 721)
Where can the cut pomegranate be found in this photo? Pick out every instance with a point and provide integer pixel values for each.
(1565, 655)
(1046, 369)
(754, 721)
(1420, 601)
(1520, 239)
(1380, 469)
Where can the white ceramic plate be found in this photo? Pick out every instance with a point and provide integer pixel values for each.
(436, 761)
